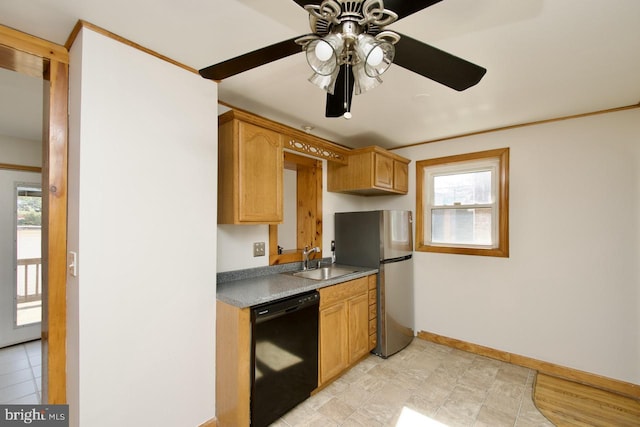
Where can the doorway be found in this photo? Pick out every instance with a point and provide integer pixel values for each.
(21, 100)
(48, 62)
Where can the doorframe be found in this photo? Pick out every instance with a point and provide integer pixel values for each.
(54, 61)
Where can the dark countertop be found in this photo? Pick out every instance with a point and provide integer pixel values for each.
(269, 286)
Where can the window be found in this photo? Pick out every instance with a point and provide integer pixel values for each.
(463, 204)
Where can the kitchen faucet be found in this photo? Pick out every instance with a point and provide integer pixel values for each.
(305, 256)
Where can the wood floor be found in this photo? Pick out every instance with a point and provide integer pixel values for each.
(566, 403)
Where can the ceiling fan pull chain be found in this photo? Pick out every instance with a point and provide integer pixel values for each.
(347, 92)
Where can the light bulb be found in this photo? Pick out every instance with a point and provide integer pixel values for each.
(323, 50)
(375, 56)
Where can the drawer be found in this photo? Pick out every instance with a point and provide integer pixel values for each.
(372, 296)
(373, 341)
(373, 326)
(373, 281)
(343, 291)
(373, 311)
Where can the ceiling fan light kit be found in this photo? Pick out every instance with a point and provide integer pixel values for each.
(323, 54)
(348, 32)
(349, 49)
(325, 82)
(377, 54)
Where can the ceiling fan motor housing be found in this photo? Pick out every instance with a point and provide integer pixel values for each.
(369, 16)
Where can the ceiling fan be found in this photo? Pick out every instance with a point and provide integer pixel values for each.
(349, 48)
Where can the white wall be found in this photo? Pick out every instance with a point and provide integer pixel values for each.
(570, 291)
(142, 199)
(20, 151)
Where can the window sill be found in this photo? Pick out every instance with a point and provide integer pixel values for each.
(495, 252)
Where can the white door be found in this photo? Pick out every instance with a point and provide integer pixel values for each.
(20, 257)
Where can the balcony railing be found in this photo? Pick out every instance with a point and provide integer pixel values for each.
(29, 284)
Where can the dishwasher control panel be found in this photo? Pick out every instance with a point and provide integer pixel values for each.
(285, 305)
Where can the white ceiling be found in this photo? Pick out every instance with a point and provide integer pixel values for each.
(545, 59)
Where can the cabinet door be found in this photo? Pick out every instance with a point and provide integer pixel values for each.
(383, 171)
(334, 356)
(400, 176)
(233, 364)
(260, 166)
(358, 326)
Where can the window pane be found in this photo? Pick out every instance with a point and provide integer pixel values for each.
(463, 188)
(461, 226)
(28, 251)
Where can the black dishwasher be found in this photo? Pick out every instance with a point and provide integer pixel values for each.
(284, 355)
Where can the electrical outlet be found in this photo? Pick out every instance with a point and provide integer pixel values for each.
(258, 249)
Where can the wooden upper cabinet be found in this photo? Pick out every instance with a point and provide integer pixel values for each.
(370, 171)
(250, 173)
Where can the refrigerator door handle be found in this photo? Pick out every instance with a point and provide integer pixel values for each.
(397, 259)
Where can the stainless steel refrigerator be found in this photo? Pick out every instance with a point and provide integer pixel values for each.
(383, 240)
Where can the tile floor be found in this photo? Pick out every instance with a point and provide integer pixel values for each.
(424, 385)
(21, 373)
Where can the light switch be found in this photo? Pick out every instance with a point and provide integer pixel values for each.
(72, 262)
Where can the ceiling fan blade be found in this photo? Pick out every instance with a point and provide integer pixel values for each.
(436, 64)
(340, 102)
(303, 3)
(405, 8)
(251, 60)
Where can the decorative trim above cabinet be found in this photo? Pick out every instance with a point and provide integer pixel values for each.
(314, 150)
(295, 140)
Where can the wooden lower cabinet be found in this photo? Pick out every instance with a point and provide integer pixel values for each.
(344, 327)
(233, 365)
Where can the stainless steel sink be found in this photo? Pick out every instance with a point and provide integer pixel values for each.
(324, 273)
